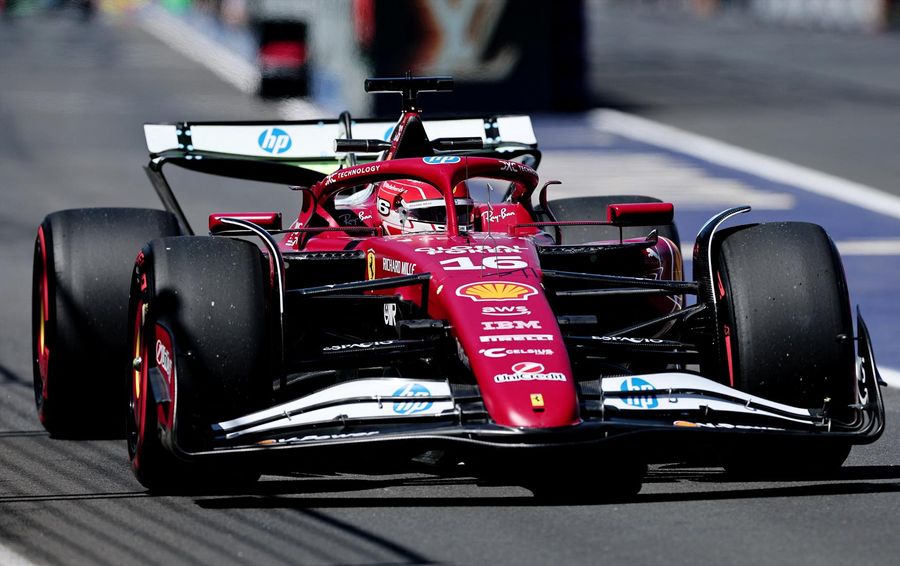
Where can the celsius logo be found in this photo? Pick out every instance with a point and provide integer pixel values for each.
(503, 352)
(642, 398)
(274, 140)
(440, 159)
(412, 407)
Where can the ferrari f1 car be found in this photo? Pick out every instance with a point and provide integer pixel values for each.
(430, 304)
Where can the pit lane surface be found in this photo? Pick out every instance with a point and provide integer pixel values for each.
(72, 98)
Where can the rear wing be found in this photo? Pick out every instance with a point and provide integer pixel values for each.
(312, 142)
(303, 152)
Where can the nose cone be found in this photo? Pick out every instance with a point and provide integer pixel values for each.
(515, 349)
(532, 404)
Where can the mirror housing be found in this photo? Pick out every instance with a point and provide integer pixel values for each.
(266, 220)
(640, 213)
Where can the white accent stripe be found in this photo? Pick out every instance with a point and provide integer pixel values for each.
(722, 153)
(9, 557)
(847, 248)
(869, 247)
(891, 376)
(181, 37)
(688, 185)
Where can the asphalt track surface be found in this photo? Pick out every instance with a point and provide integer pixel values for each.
(824, 100)
(72, 98)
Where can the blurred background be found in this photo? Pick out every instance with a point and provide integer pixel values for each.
(798, 78)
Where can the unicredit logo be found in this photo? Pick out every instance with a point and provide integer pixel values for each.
(528, 367)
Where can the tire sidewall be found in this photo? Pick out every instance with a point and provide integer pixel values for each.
(84, 260)
(739, 307)
(157, 454)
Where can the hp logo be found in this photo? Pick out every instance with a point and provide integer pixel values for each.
(441, 159)
(641, 398)
(411, 407)
(274, 140)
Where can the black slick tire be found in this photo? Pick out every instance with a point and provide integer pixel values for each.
(82, 260)
(209, 295)
(786, 328)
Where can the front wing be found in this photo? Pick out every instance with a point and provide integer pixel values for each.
(659, 416)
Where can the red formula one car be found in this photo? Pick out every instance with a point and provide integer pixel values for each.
(432, 307)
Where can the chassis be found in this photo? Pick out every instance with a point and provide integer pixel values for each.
(504, 347)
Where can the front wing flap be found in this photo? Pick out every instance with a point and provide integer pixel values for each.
(651, 413)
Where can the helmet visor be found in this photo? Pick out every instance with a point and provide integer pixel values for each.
(434, 211)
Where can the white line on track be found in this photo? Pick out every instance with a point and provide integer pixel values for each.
(847, 248)
(765, 166)
(869, 247)
(225, 63)
(222, 61)
(890, 376)
(9, 557)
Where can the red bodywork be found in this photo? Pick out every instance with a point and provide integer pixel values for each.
(487, 284)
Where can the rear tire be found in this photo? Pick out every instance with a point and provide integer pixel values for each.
(786, 322)
(594, 208)
(209, 294)
(82, 259)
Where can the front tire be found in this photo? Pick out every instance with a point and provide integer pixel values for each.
(207, 295)
(786, 332)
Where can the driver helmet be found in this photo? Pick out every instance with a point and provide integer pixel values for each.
(410, 207)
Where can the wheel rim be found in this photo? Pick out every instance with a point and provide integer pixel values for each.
(41, 319)
(137, 406)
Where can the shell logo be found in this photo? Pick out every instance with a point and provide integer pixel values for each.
(496, 291)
